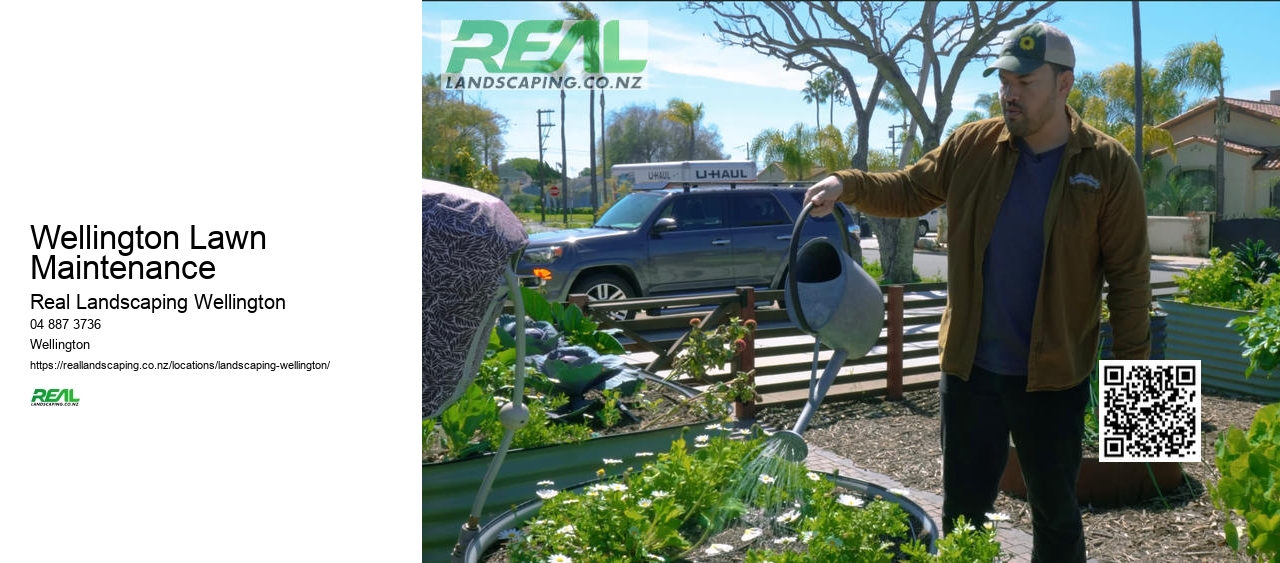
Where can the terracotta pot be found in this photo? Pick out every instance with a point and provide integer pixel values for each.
(1104, 484)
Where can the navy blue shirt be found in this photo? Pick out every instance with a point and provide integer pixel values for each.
(1012, 262)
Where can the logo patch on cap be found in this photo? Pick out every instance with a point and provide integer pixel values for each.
(1027, 43)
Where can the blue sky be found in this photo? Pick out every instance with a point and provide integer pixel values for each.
(744, 92)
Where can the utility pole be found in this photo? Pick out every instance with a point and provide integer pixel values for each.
(893, 137)
(542, 182)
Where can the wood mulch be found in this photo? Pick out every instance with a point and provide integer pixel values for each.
(901, 439)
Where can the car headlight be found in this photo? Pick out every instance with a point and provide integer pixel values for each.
(545, 255)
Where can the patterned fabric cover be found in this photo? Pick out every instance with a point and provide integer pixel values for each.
(468, 241)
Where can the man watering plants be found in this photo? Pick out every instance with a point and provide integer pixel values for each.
(1042, 209)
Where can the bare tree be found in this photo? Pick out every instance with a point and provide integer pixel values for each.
(822, 35)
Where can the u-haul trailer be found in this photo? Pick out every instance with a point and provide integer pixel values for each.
(656, 175)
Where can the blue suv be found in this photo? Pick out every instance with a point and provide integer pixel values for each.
(678, 241)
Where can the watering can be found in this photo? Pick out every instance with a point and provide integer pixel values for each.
(831, 297)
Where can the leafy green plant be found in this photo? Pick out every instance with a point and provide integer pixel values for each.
(1249, 487)
(1255, 260)
(1215, 283)
(1269, 212)
(707, 350)
(576, 386)
(673, 505)
(1260, 339)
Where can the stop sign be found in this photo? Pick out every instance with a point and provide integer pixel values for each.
(554, 191)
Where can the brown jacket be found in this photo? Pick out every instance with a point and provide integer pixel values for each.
(1095, 227)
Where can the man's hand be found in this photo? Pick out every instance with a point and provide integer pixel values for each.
(824, 195)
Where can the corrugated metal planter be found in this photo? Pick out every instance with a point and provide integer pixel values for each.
(449, 488)
(1159, 333)
(1199, 332)
(519, 514)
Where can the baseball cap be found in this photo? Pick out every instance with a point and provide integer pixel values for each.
(1032, 45)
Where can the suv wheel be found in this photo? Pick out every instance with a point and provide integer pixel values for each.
(606, 287)
(922, 229)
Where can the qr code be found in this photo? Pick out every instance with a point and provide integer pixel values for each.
(1149, 410)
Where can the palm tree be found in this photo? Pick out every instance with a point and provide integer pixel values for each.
(814, 92)
(836, 93)
(686, 114)
(1180, 195)
(590, 44)
(793, 150)
(1199, 66)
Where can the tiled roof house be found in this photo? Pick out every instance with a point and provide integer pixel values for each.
(1252, 151)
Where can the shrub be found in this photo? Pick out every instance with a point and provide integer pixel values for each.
(1215, 283)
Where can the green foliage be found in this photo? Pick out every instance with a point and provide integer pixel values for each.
(1269, 212)
(1241, 279)
(666, 509)
(1215, 283)
(1255, 260)
(1260, 339)
(1250, 484)
(706, 350)
(472, 416)
(455, 134)
(964, 544)
(576, 386)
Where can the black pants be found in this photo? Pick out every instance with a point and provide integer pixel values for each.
(977, 418)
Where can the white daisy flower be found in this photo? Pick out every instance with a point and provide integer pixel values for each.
(546, 483)
(715, 426)
(718, 548)
(997, 516)
(660, 494)
(558, 558)
(645, 503)
(807, 536)
(512, 534)
(785, 540)
(546, 494)
(767, 479)
(654, 557)
(751, 534)
(850, 500)
(788, 517)
(701, 438)
(812, 476)
(611, 461)
(617, 487)
(567, 530)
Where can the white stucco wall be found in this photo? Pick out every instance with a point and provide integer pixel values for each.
(1174, 236)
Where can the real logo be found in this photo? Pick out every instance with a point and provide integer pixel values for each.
(54, 397)
(536, 54)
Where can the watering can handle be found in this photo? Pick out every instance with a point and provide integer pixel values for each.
(793, 295)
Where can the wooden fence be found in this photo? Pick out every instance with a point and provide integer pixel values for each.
(904, 357)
